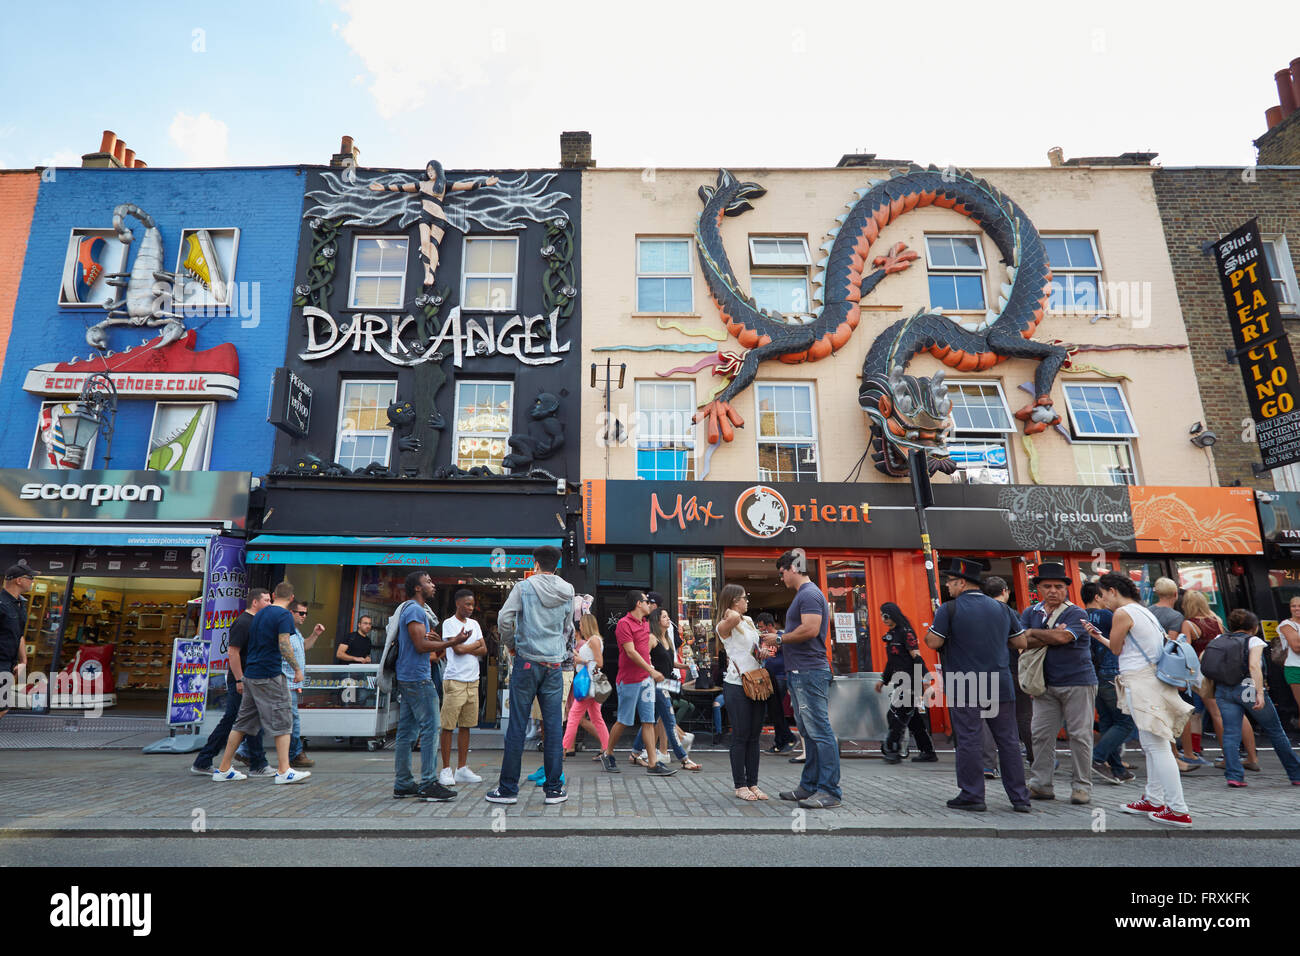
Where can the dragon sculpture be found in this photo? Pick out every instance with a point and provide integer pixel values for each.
(906, 412)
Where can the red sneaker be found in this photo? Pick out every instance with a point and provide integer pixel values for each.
(1172, 817)
(1142, 807)
(146, 371)
(1237, 783)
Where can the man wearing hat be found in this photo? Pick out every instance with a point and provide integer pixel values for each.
(973, 632)
(13, 622)
(1053, 622)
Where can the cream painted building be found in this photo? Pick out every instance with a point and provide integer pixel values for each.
(643, 289)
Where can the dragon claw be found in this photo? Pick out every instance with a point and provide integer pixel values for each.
(897, 259)
(721, 418)
(1038, 415)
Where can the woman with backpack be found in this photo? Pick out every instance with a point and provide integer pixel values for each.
(1137, 639)
(1198, 612)
(1233, 661)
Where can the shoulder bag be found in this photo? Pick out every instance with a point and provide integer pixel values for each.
(601, 688)
(1033, 678)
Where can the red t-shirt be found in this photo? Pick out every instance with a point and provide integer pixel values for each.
(638, 632)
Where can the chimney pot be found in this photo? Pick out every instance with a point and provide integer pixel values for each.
(1273, 115)
(1056, 156)
(346, 147)
(107, 144)
(139, 164)
(119, 152)
(575, 150)
(1295, 81)
(1285, 94)
(128, 158)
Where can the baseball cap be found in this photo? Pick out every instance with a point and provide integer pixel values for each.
(21, 570)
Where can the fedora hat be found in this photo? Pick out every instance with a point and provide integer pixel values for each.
(1051, 571)
(966, 568)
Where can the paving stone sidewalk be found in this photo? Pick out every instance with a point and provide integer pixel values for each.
(350, 793)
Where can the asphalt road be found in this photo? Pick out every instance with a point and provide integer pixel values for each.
(652, 850)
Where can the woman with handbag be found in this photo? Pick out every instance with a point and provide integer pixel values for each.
(662, 659)
(743, 686)
(1137, 639)
(589, 655)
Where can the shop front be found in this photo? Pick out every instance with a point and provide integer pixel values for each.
(122, 557)
(348, 554)
(862, 546)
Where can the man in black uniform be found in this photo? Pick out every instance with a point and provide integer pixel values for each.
(13, 622)
(356, 647)
(974, 632)
(258, 598)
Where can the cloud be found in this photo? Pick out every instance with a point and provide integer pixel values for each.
(62, 159)
(201, 138)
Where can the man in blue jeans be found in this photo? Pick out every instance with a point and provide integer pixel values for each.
(536, 627)
(257, 599)
(808, 670)
(1113, 724)
(419, 710)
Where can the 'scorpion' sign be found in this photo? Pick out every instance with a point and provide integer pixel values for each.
(1267, 365)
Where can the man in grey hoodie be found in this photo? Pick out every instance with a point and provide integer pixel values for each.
(536, 627)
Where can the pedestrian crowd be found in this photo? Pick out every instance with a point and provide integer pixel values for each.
(1105, 673)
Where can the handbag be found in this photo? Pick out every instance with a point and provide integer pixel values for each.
(1277, 653)
(1177, 665)
(601, 688)
(757, 683)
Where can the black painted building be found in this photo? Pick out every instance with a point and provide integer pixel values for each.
(427, 408)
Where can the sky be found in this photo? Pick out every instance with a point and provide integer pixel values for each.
(665, 84)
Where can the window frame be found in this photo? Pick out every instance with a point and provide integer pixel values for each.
(1100, 305)
(457, 434)
(760, 441)
(1282, 256)
(987, 436)
(466, 275)
(693, 430)
(753, 253)
(689, 274)
(368, 433)
(1109, 437)
(1124, 442)
(954, 270)
(352, 278)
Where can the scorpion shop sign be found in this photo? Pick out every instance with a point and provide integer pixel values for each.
(533, 340)
(1267, 365)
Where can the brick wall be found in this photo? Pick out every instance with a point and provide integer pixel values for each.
(18, 190)
(1198, 205)
(1280, 146)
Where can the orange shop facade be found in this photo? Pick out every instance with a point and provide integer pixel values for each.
(861, 541)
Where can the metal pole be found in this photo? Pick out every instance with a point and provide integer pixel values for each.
(919, 467)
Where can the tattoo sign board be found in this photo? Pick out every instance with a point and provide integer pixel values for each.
(187, 692)
(1262, 348)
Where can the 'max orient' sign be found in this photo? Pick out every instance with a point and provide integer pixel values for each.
(1267, 365)
(533, 340)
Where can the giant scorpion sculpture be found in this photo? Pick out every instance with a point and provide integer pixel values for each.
(146, 296)
(906, 412)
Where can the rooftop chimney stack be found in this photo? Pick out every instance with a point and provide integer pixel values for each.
(575, 150)
(112, 154)
(348, 154)
(1056, 156)
(1280, 144)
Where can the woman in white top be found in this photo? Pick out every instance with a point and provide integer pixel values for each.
(586, 712)
(744, 652)
(1289, 631)
(1137, 638)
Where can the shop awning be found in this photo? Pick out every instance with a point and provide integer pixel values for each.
(131, 536)
(495, 553)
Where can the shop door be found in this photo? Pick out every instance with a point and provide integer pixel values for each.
(850, 633)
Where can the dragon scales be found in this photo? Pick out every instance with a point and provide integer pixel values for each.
(906, 412)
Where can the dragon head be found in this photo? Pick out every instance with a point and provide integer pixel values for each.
(907, 413)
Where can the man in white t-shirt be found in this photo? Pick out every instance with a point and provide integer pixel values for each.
(460, 688)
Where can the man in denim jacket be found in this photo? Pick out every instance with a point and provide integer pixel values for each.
(536, 626)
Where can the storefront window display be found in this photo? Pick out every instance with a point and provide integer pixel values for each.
(846, 589)
(697, 590)
(1202, 576)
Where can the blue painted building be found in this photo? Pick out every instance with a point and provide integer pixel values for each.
(134, 552)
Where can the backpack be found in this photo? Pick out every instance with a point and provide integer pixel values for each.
(1177, 665)
(388, 659)
(1226, 659)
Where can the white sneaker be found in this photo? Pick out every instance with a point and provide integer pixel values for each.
(231, 774)
(465, 775)
(293, 776)
(267, 771)
(686, 741)
(446, 777)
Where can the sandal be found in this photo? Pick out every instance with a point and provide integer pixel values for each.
(759, 793)
(638, 760)
(745, 793)
(689, 764)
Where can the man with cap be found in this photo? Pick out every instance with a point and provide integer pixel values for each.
(973, 632)
(1053, 622)
(13, 622)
